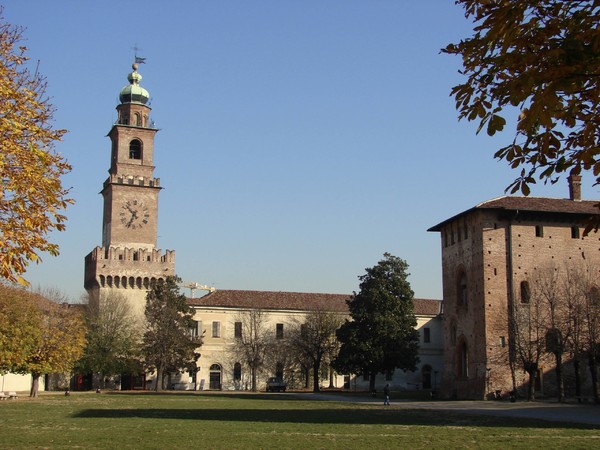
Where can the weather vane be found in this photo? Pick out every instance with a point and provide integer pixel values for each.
(137, 59)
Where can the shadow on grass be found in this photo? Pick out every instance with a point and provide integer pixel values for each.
(326, 416)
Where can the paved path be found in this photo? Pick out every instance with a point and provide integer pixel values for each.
(562, 412)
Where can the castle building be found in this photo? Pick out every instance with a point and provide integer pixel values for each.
(489, 254)
(220, 315)
(128, 261)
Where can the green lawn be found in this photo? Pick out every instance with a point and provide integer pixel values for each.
(236, 421)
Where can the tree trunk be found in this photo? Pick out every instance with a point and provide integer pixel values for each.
(372, 376)
(316, 377)
(253, 382)
(331, 384)
(306, 377)
(531, 386)
(159, 379)
(594, 372)
(560, 382)
(35, 384)
(577, 370)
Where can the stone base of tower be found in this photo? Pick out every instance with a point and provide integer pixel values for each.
(127, 273)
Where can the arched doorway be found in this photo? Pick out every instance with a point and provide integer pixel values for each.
(426, 376)
(215, 377)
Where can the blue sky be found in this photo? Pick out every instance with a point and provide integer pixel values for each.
(300, 140)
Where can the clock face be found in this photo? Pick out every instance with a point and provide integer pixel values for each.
(134, 214)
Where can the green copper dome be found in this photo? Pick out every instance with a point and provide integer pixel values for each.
(134, 93)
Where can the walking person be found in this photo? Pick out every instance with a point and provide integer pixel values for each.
(386, 395)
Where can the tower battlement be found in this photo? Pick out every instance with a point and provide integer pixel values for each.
(127, 267)
(132, 180)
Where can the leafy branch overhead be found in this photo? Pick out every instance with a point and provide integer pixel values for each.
(32, 197)
(537, 64)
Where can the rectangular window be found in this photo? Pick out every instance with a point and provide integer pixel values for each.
(426, 335)
(194, 329)
(303, 330)
(237, 330)
(575, 232)
(466, 231)
(539, 231)
(502, 341)
(216, 329)
(279, 331)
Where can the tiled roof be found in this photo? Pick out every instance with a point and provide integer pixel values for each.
(299, 301)
(532, 204)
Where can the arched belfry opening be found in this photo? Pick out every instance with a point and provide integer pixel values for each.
(135, 149)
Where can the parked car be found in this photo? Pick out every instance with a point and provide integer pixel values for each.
(275, 384)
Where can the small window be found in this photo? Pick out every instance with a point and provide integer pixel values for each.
(237, 330)
(502, 341)
(462, 289)
(135, 149)
(453, 333)
(466, 231)
(237, 370)
(452, 236)
(539, 231)
(574, 232)
(426, 335)
(594, 296)
(445, 238)
(216, 329)
(279, 331)
(194, 329)
(525, 292)
(303, 330)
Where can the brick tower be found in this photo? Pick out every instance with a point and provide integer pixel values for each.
(128, 261)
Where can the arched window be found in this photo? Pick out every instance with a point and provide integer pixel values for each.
(461, 289)
(426, 376)
(237, 371)
(135, 149)
(215, 377)
(138, 119)
(525, 292)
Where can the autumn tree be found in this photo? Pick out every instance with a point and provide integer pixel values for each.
(537, 64)
(56, 335)
(169, 343)
(381, 336)
(113, 338)
(32, 198)
(315, 340)
(19, 330)
(251, 342)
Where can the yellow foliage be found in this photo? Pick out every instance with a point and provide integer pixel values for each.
(32, 195)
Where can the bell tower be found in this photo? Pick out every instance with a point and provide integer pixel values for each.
(128, 261)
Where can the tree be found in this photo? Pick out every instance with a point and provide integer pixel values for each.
(32, 196)
(55, 335)
(19, 331)
(537, 60)
(168, 343)
(381, 335)
(251, 342)
(315, 339)
(529, 324)
(113, 338)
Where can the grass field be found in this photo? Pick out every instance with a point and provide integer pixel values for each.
(236, 421)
